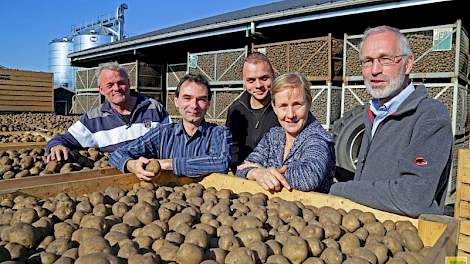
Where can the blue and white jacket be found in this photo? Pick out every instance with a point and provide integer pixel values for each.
(104, 129)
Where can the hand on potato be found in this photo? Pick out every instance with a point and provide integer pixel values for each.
(138, 168)
(58, 153)
(271, 179)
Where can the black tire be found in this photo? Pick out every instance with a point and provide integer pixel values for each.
(348, 132)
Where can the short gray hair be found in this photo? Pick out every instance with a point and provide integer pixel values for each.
(112, 66)
(404, 44)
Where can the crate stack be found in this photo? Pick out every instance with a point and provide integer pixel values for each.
(174, 73)
(223, 70)
(320, 60)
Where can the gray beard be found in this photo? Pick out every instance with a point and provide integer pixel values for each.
(391, 89)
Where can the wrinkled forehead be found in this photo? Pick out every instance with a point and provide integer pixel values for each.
(290, 93)
(380, 44)
(193, 89)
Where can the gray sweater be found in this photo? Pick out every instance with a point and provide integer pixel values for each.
(404, 169)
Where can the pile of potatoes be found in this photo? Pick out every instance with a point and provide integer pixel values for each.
(31, 162)
(23, 138)
(49, 123)
(192, 224)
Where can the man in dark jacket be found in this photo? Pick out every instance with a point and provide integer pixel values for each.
(405, 156)
(119, 120)
(252, 115)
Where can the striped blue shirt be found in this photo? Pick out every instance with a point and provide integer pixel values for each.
(207, 151)
(104, 129)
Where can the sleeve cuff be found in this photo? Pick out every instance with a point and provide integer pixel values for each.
(179, 167)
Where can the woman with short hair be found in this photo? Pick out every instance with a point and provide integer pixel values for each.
(300, 153)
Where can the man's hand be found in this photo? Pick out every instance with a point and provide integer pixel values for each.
(137, 167)
(58, 153)
(271, 179)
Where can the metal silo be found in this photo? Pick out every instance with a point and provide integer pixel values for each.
(87, 41)
(59, 63)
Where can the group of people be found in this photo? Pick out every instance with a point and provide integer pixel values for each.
(271, 136)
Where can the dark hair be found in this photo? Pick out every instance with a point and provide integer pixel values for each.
(197, 78)
(257, 57)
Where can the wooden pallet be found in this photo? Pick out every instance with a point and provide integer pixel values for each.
(462, 202)
(440, 232)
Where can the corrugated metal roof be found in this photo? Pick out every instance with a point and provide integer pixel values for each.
(243, 13)
(236, 21)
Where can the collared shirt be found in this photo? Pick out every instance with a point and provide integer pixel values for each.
(382, 111)
(207, 151)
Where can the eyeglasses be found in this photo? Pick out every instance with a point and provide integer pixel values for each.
(384, 61)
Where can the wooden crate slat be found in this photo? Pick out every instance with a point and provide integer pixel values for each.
(15, 73)
(25, 102)
(27, 93)
(27, 88)
(464, 243)
(464, 209)
(465, 192)
(45, 78)
(462, 253)
(25, 108)
(26, 98)
(465, 227)
(24, 83)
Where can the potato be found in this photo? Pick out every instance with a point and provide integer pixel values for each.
(210, 230)
(355, 260)
(168, 252)
(408, 257)
(175, 238)
(348, 243)
(153, 166)
(366, 254)
(315, 246)
(351, 223)
(328, 214)
(148, 258)
(96, 222)
(274, 248)
(375, 228)
(392, 244)
(367, 217)
(228, 242)
(240, 255)
(189, 254)
(332, 256)
(45, 242)
(380, 251)
(250, 235)
(15, 250)
(98, 258)
(411, 240)
(396, 260)
(94, 245)
(197, 237)
(24, 234)
(332, 230)
(296, 250)
(216, 254)
(83, 234)
(128, 249)
(277, 259)
(313, 260)
(287, 210)
(59, 246)
(144, 241)
(180, 218)
(113, 237)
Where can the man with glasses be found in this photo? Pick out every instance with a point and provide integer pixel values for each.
(119, 120)
(405, 156)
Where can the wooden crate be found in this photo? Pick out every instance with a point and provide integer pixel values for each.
(26, 91)
(319, 59)
(440, 232)
(21, 145)
(462, 201)
(219, 67)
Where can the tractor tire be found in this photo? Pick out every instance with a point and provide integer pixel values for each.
(348, 132)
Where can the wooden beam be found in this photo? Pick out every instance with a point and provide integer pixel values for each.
(465, 227)
(464, 243)
(23, 98)
(24, 108)
(445, 238)
(15, 73)
(25, 102)
(24, 83)
(26, 88)
(28, 93)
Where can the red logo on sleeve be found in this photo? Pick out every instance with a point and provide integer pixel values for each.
(421, 161)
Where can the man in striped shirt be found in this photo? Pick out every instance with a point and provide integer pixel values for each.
(119, 120)
(191, 147)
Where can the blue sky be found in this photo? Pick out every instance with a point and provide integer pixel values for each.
(27, 26)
